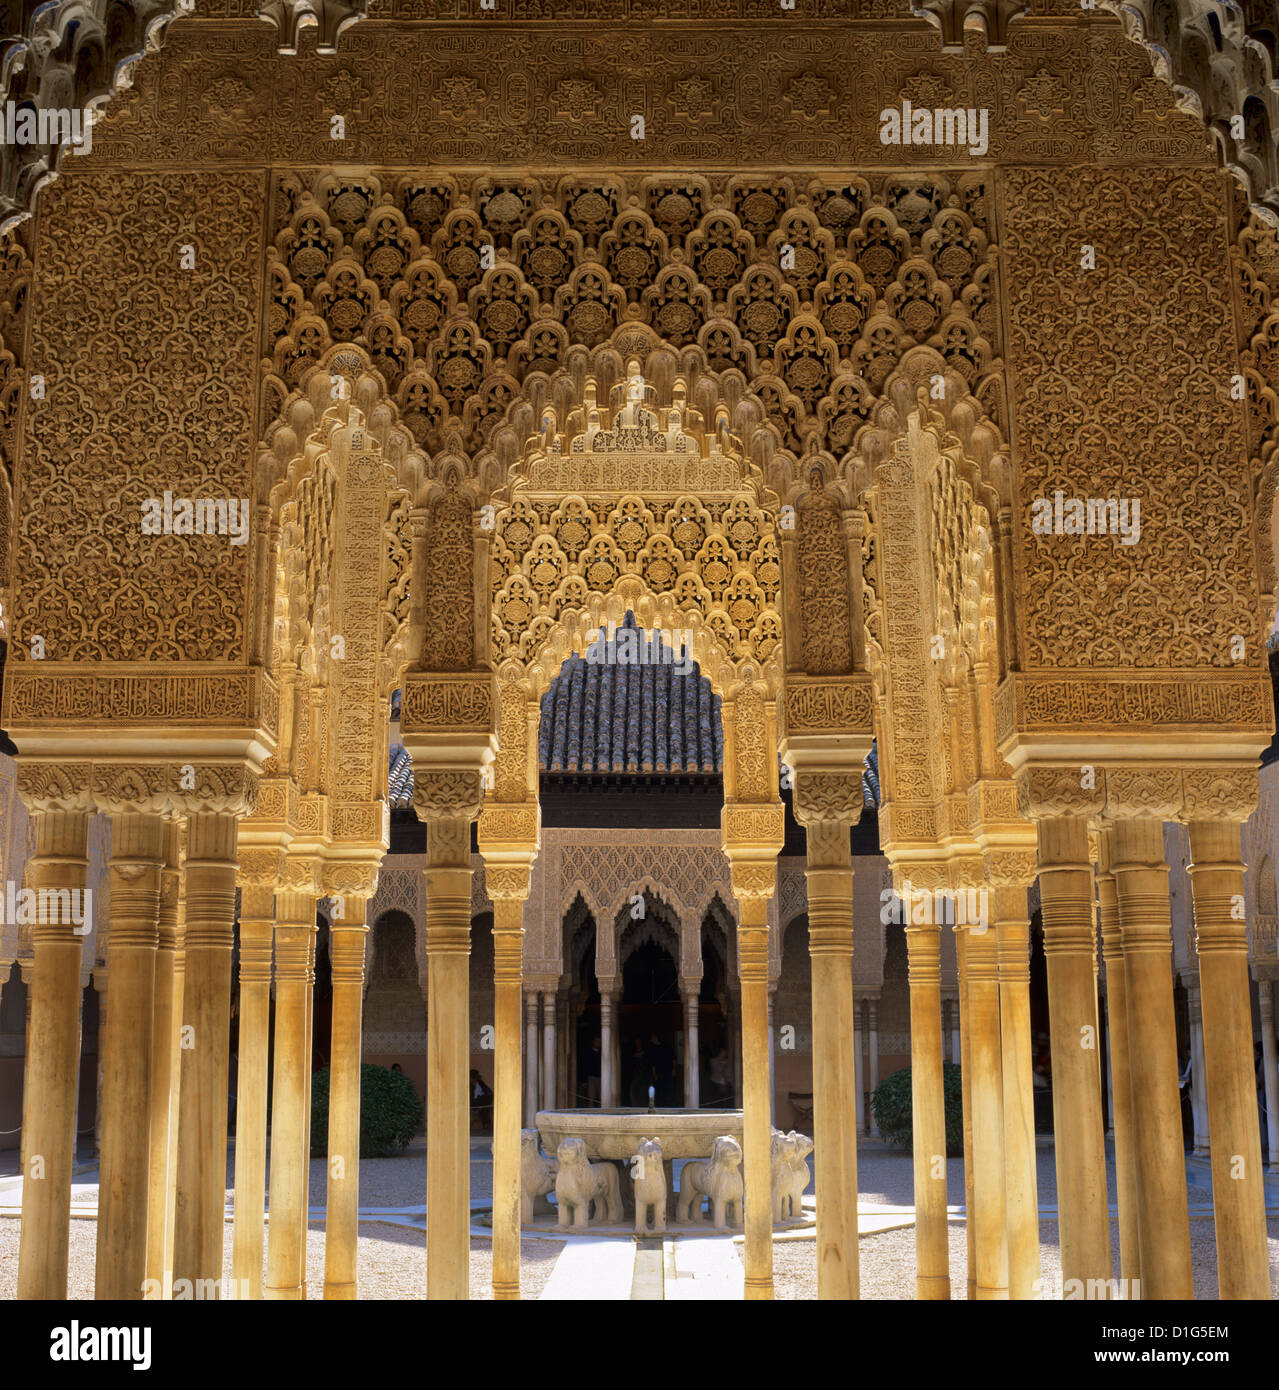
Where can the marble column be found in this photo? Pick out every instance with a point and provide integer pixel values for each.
(1120, 1047)
(1012, 940)
(872, 1034)
(53, 1057)
(1141, 881)
(859, 1064)
(1270, 1066)
(291, 1088)
(607, 1083)
(1221, 939)
(1067, 904)
(137, 857)
(166, 1063)
(508, 888)
(772, 1057)
(206, 1028)
(829, 876)
(448, 950)
(955, 1047)
(531, 1051)
(752, 969)
(932, 1240)
(692, 1051)
(966, 1104)
(348, 935)
(548, 1050)
(1198, 1065)
(985, 1062)
(257, 927)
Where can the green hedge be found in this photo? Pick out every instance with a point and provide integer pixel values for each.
(890, 1101)
(390, 1112)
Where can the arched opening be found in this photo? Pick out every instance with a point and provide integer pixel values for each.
(651, 1023)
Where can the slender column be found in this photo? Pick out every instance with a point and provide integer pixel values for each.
(99, 978)
(179, 997)
(1198, 1068)
(137, 856)
(1120, 1073)
(165, 1071)
(752, 970)
(859, 1065)
(548, 1049)
(508, 887)
(1021, 1188)
(928, 1108)
(448, 950)
(1217, 885)
(692, 1051)
(955, 1045)
(52, 1060)
(291, 1088)
(1066, 893)
(27, 970)
(984, 1046)
(257, 926)
(966, 1104)
(829, 875)
(1270, 1066)
(606, 1049)
(872, 1030)
(206, 1030)
(348, 933)
(1141, 880)
(530, 1057)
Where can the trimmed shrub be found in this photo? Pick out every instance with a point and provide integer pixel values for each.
(390, 1112)
(890, 1101)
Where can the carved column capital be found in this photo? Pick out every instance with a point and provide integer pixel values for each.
(1219, 793)
(302, 874)
(827, 796)
(1074, 789)
(260, 867)
(55, 786)
(350, 878)
(1153, 792)
(509, 882)
(442, 794)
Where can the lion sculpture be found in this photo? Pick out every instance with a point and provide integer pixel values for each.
(579, 1183)
(790, 1174)
(537, 1174)
(649, 1175)
(720, 1180)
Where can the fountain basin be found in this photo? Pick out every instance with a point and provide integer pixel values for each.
(616, 1133)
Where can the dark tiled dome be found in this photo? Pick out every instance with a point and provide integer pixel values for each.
(630, 709)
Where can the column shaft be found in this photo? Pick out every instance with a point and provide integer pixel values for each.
(606, 1049)
(752, 969)
(530, 1057)
(347, 936)
(548, 1050)
(1120, 1070)
(1021, 1187)
(966, 1104)
(1217, 886)
(1141, 881)
(206, 1030)
(53, 1057)
(448, 951)
(1066, 891)
(984, 1046)
(829, 877)
(508, 960)
(166, 1060)
(928, 1108)
(137, 855)
(257, 926)
(693, 1051)
(290, 1097)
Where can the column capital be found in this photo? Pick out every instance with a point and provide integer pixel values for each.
(507, 826)
(507, 881)
(302, 875)
(1219, 793)
(753, 829)
(1073, 789)
(261, 867)
(827, 797)
(350, 878)
(443, 794)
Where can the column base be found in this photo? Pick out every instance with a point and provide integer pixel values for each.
(509, 1292)
(758, 1288)
(930, 1288)
(341, 1291)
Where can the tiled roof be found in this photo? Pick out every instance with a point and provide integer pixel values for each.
(400, 777)
(632, 707)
